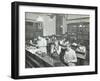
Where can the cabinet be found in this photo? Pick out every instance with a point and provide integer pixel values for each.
(79, 31)
(33, 29)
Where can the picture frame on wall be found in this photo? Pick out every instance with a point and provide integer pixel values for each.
(52, 40)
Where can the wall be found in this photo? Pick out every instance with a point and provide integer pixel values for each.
(48, 23)
(5, 41)
(49, 26)
(72, 18)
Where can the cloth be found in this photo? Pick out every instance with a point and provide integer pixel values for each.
(56, 48)
(81, 49)
(70, 56)
(62, 53)
(42, 44)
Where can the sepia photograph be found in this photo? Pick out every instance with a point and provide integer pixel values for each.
(56, 40)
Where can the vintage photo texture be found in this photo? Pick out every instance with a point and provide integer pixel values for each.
(56, 40)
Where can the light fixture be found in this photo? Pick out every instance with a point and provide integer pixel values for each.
(61, 26)
(80, 25)
(40, 19)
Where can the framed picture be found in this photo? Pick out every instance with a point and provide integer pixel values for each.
(50, 40)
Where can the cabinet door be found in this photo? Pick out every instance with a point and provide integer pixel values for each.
(33, 29)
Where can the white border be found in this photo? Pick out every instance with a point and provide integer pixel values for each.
(37, 71)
